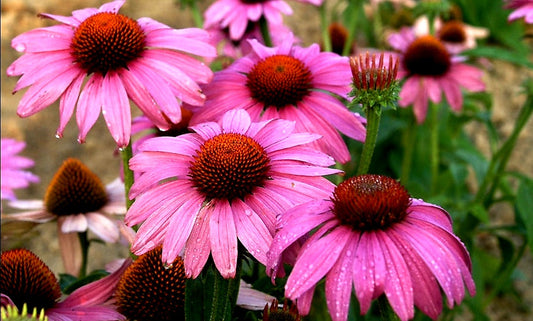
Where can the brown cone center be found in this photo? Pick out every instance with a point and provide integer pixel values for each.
(229, 166)
(453, 31)
(427, 56)
(370, 202)
(75, 190)
(26, 279)
(279, 81)
(107, 41)
(151, 291)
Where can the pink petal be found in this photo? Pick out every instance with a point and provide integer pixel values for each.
(251, 230)
(89, 105)
(116, 109)
(223, 237)
(398, 285)
(236, 121)
(68, 103)
(197, 248)
(316, 261)
(339, 282)
(180, 226)
(70, 248)
(103, 227)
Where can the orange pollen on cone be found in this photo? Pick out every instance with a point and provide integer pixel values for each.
(229, 166)
(107, 41)
(75, 190)
(370, 202)
(151, 291)
(279, 81)
(452, 31)
(427, 56)
(26, 279)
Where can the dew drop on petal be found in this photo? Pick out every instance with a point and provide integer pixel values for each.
(20, 47)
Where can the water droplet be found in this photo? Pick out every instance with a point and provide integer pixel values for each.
(59, 136)
(20, 47)
(121, 149)
(167, 266)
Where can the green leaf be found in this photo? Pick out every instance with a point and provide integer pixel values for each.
(479, 212)
(501, 54)
(69, 283)
(524, 207)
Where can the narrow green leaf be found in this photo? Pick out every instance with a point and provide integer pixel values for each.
(524, 207)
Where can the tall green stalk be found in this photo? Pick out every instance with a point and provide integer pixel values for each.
(373, 117)
(127, 153)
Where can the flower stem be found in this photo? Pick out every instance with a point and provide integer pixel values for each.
(408, 141)
(500, 159)
(84, 242)
(373, 117)
(196, 14)
(386, 311)
(324, 25)
(126, 154)
(434, 145)
(225, 293)
(263, 26)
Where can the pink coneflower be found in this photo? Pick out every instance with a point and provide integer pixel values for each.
(79, 201)
(142, 59)
(235, 15)
(200, 193)
(430, 70)
(522, 9)
(292, 83)
(371, 235)
(13, 173)
(27, 280)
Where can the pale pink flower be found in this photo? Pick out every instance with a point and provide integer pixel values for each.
(26, 279)
(78, 200)
(120, 58)
(202, 193)
(235, 15)
(522, 9)
(13, 168)
(293, 83)
(430, 70)
(372, 237)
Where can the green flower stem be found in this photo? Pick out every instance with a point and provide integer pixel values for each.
(408, 141)
(225, 293)
(196, 14)
(324, 25)
(263, 26)
(84, 242)
(386, 311)
(434, 145)
(373, 117)
(499, 161)
(126, 154)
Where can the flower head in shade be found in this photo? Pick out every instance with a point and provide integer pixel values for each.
(27, 280)
(293, 83)
(120, 58)
(521, 9)
(13, 172)
(79, 201)
(274, 312)
(149, 290)
(371, 236)
(430, 70)
(202, 193)
(235, 15)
